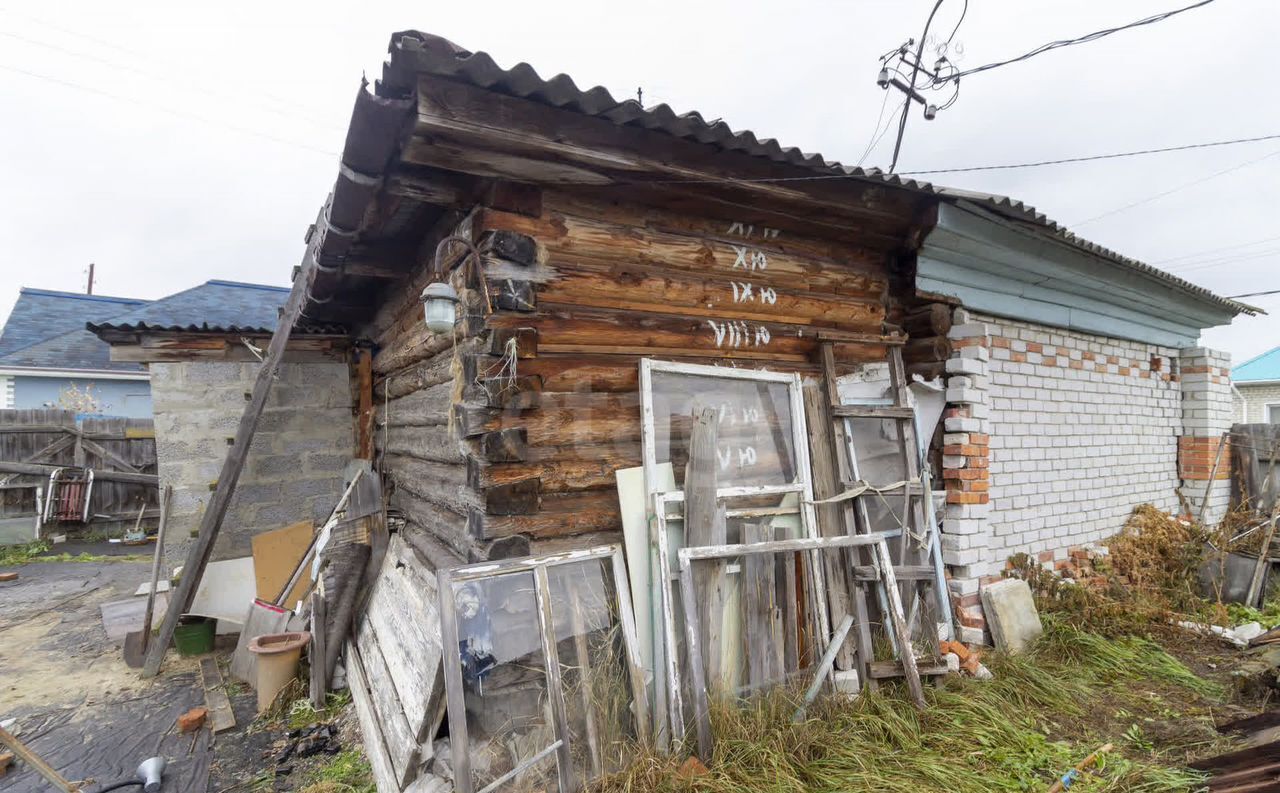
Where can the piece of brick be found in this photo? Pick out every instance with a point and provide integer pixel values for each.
(691, 769)
(192, 720)
(8, 576)
(6, 760)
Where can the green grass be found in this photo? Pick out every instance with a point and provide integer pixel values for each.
(1043, 713)
(14, 555)
(347, 772)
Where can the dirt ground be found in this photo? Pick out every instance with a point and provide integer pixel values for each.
(76, 704)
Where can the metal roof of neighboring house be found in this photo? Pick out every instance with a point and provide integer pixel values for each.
(1262, 368)
(414, 52)
(40, 314)
(213, 305)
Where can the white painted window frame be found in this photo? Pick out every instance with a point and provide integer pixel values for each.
(1266, 412)
(669, 703)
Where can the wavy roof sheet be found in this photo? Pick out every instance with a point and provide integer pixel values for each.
(414, 52)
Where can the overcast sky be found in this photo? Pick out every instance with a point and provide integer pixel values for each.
(172, 143)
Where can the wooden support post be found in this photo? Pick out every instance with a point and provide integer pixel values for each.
(704, 524)
(232, 466)
(364, 416)
(36, 763)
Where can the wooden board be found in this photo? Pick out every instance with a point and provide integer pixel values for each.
(221, 717)
(400, 739)
(276, 555)
(375, 747)
(403, 607)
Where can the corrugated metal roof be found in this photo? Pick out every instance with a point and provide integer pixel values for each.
(414, 52)
(256, 330)
(1261, 368)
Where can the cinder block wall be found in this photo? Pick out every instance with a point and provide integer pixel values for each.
(294, 469)
(1253, 408)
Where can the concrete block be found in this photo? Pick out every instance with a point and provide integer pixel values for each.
(969, 330)
(962, 425)
(966, 366)
(974, 636)
(1011, 614)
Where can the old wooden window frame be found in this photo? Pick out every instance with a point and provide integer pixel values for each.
(455, 698)
(657, 500)
(814, 546)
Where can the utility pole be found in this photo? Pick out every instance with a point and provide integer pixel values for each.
(88, 290)
(911, 86)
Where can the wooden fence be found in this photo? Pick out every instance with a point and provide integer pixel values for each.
(1256, 465)
(35, 440)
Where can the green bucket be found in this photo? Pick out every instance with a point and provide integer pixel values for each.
(194, 635)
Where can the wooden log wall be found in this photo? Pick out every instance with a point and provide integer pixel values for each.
(516, 426)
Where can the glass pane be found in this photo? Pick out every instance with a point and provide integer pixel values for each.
(504, 681)
(593, 666)
(877, 446)
(754, 446)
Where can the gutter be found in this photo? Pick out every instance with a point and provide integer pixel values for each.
(88, 374)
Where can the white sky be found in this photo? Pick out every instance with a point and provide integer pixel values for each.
(172, 143)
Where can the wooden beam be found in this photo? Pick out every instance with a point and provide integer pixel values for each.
(364, 418)
(37, 469)
(474, 130)
(233, 465)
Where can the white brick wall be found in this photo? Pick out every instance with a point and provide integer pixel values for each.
(1082, 430)
(1253, 409)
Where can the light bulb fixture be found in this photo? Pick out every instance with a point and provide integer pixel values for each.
(930, 112)
(882, 79)
(439, 307)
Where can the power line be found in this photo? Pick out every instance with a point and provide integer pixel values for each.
(1215, 250)
(1092, 157)
(170, 110)
(1173, 190)
(1053, 45)
(1255, 294)
(911, 87)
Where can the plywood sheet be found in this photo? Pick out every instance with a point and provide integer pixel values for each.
(276, 555)
(225, 591)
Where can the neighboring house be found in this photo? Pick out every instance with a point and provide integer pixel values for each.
(49, 359)
(1257, 389)
(611, 233)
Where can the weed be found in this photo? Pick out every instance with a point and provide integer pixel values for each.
(347, 772)
(1007, 734)
(13, 555)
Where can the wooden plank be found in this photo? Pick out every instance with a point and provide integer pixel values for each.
(918, 572)
(826, 484)
(319, 683)
(400, 739)
(871, 412)
(758, 612)
(403, 604)
(233, 465)
(221, 717)
(375, 747)
(930, 666)
(704, 524)
(36, 763)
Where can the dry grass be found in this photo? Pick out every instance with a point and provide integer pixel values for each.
(1040, 716)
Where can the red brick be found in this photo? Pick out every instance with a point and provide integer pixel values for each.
(1045, 556)
(1018, 357)
(979, 439)
(956, 497)
(192, 720)
(1049, 361)
(1000, 341)
(978, 461)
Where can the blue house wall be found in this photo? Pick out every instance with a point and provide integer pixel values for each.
(121, 398)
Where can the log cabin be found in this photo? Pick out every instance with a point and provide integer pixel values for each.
(583, 234)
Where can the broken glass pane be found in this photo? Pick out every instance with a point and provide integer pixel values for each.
(504, 681)
(594, 672)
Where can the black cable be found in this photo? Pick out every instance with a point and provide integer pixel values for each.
(956, 29)
(1255, 294)
(120, 784)
(915, 72)
(1097, 34)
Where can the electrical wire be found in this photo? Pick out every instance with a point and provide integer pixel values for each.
(915, 73)
(1215, 250)
(875, 129)
(1173, 190)
(170, 110)
(1093, 157)
(956, 29)
(1088, 37)
(1255, 294)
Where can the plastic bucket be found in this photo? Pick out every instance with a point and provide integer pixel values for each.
(194, 636)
